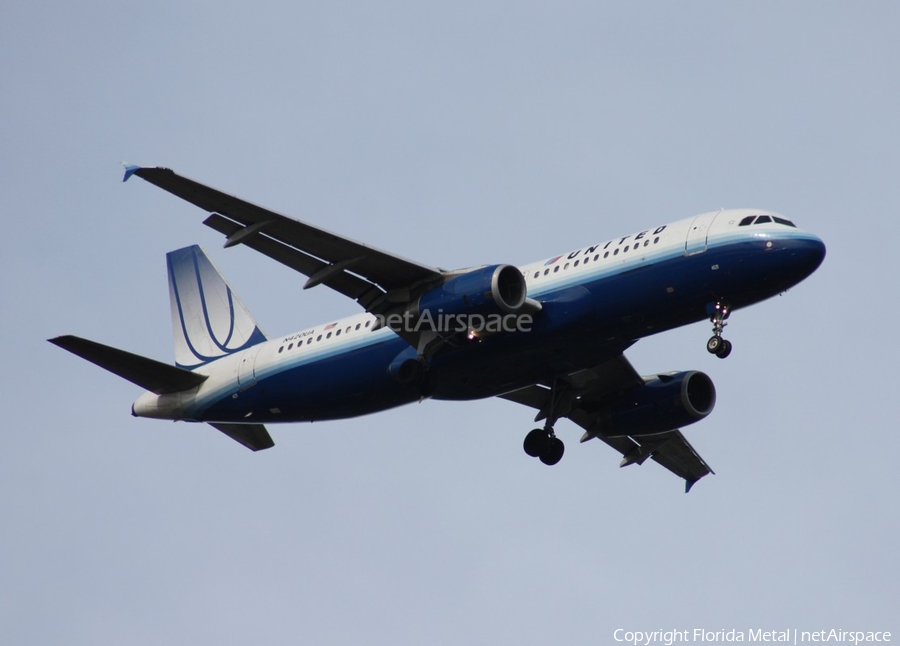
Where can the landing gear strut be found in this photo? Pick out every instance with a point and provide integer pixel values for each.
(542, 443)
(716, 344)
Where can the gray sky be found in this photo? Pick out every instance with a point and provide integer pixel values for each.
(456, 135)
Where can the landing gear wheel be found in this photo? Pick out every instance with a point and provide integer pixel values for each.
(542, 442)
(553, 452)
(724, 349)
(536, 441)
(716, 344)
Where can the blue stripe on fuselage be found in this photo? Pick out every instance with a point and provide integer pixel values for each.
(590, 313)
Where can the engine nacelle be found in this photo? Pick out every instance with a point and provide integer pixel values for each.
(406, 368)
(497, 289)
(664, 403)
(481, 302)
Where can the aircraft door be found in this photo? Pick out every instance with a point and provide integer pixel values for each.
(699, 233)
(247, 368)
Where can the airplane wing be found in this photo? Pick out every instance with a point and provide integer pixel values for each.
(373, 278)
(586, 391)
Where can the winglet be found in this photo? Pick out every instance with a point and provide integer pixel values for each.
(688, 484)
(129, 171)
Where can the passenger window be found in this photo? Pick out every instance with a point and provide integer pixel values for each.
(747, 221)
(616, 252)
(367, 323)
(290, 346)
(318, 338)
(646, 242)
(328, 336)
(357, 326)
(576, 264)
(606, 255)
(597, 257)
(281, 349)
(567, 266)
(338, 333)
(546, 271)
(536, 274)
(556, 269)
(656, 239)
(309, 340)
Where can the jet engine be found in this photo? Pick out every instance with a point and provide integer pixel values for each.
(496, 289)
(663, 403)
(481, 301)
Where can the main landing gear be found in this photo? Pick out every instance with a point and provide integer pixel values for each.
(716, 344)
(542, 443)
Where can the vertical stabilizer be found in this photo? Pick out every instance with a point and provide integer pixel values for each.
(209, 321)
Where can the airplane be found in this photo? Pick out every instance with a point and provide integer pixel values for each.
(549, 335)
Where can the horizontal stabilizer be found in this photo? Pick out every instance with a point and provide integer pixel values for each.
(254, 436)
(155, 376)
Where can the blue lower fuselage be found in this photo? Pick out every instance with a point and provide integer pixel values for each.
(583, 321)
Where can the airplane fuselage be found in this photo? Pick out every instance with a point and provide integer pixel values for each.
(595, 302)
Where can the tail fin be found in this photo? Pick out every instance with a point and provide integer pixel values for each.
(209, 321)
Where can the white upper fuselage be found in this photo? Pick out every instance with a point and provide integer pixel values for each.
(233, 375)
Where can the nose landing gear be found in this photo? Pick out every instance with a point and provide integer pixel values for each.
(716, 344)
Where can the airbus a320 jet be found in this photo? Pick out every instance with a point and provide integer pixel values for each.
(549, 335)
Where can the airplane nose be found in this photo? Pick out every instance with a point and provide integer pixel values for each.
(815, 252)
(807, 254)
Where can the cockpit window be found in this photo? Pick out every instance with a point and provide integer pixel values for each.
(765, 219)
(784, 222)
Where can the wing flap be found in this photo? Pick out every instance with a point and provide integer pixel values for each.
(386, 270)
(343, 282)
(670, 450)
(533, 396)
(677, 455)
